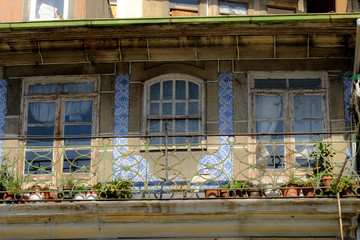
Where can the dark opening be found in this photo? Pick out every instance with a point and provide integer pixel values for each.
(320, 6)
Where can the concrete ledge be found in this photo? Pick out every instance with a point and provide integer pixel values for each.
(185, 219)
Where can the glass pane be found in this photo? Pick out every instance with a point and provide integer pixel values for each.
(167, 109)
(270, 156)
(193, 91)
(155, 140)
(302, 153)
(155, 91)
(184, 3)
(40, 131)
(154, 109)
(167, 89)
(77, 131)
(78, 87)
(169, 126)
(180, 125)
(78, 111)
(233, 8)
(307, 106)
(193, 125)
(48, 9)
(315, 125)
(276, 126)
(44, 89)
(154, 126)
(305, 83)
(193, 108)
(77, 161)
(180, 109)
(180, 89)
(268, 107)
(179, 140)
(270, 83)
(41, 112)
(38, 162)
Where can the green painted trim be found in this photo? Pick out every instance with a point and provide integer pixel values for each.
(296, 18)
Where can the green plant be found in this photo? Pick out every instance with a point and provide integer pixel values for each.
(344, 183)
(79, 189)
(118, 188)
(236, 185)
(294, 180)
(70, 181)
(322, 165)
(311, 181)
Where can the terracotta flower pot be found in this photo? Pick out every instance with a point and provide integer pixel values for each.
(211, 193)
(290, 190)
(255, 193)
(308, 190)
(325, 182)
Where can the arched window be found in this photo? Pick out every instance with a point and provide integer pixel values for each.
(174, 107)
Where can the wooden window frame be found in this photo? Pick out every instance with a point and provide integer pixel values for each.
(229, 1)
(60, 99)
(174, 77)
(288, 94)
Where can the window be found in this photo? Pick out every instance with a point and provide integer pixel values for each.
(284, 103)
(184, 8)
(59, 109)
(320, 6)
(48, 9)
(228, 7)
(174, 106)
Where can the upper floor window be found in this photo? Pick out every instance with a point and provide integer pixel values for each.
(48, 9)
(233, 8)
(280, 10)
(174, 106)
(184, 7)
(283, 104)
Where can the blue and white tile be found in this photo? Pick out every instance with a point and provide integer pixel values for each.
(3, 100)
(347, 93)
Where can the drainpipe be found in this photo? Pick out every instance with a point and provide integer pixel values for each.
(207, 7)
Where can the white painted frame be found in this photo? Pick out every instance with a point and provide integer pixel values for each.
(174, 76)
(32, 12)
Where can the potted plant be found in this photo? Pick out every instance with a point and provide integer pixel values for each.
(344, 186)
(309, 187)
(291, 188)
(238, 189)
(322, 167)
(118, 188)
(79, 192)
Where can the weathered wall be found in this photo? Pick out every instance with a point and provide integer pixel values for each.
(190, 219)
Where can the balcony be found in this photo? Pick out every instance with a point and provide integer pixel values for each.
(185, 167)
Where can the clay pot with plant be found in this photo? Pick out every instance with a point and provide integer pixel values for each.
(292, 187)
(118, 188)
(235, 189)
(322, 166)
(344, 186)
(309, 187)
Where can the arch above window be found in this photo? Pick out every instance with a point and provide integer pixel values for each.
(173, 106)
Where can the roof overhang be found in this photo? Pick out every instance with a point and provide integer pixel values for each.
(169, 39)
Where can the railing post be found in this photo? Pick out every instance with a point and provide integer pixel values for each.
(166, 150)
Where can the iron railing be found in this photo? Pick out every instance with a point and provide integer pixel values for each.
(137, 168)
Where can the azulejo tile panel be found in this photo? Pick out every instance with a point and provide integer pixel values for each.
(3, 99)
(347, 93)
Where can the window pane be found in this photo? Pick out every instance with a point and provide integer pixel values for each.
(40, 131)
(78, 111)
(315, 125)
(169, 126)
(193, 91)
(167, 109)
(307, 106)
(305, 83)
(155, 91)
(180, 125)
(276, 126)
(184, 3)
(77, 161)
(78, 87)
(167, 89)
(193, 125)
(38, 162)
(180, 89)
(77, 131)
(193, 108)
(233, 8)
(180, 109)
(154, 126)
(41, 112)
(302, 153)
(48, 9)
(270, 83)
(273, 156)
(268, 107)
(44, 89)
(154, 109)
(179, 140)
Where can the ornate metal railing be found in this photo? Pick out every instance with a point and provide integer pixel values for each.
(223, 166)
